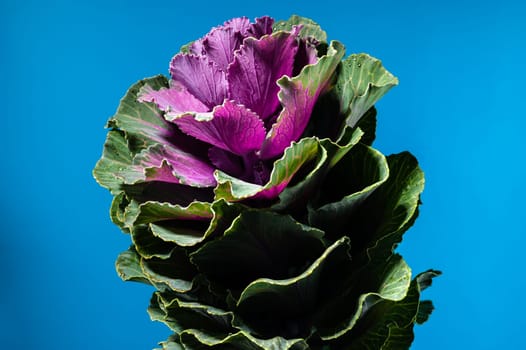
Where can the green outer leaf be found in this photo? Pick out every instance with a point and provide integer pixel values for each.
(361, 82)
(224, 214)
(148, 245)
(189, 225)
(162, 274)
(154, 211)
(425, 279)
(131, 210)
(258, 244)
(128, 267)
(162, 192)
(199, 339)
(186, 47)
(395, 279)
(367, 124)
(142, 123)
(363, 166)
(180, 235)
(172, 343)
(117, 211)
(377, 225)
(396, 282)
(337, 151)
(266, 285)
(159, 215)
(135, 127)
(139, 139)
(401, 196)
(298, 192)
(293, 298)
(329, 154)
(425, 308)
(115, 158)
(294, 157)
(399, 338)
(309, 29)
(181, 315)
(388, 325)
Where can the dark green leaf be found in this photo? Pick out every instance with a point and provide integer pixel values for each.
(387, 325)
(425, 279)
(345, 304)
(181, 315)
(154, 211)
(172, 343)
(164, 192)
(117, 211)
(194, 339)
(397, 202)
(368, 125)
(162, 274)
(258, 244)
(425, 308)
(285, 306)
(298, 192)
(148, 245)
(377, 224)
(352, 180)
(184, 226)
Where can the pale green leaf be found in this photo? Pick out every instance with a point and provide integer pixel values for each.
(362, 81)
(128, 267)
(115, 158)
(309, 27)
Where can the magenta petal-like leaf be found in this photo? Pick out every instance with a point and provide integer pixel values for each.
(257, 65)
(228, 162)
(220, 44)
(292, 120)
(173, 100)
(307, 54)
(230, 126)
(167, 163)
(238, 24)
(263, 26)
(298, 96)
(196, 48)
(202, 78)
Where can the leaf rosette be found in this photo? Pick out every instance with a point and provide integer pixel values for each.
(256, 205)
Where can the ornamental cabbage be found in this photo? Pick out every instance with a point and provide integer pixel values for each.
(256, 205)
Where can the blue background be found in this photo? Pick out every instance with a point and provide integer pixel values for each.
(459, 108)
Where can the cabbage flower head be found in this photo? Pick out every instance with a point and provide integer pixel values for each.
(245, 93)
(256, 205)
